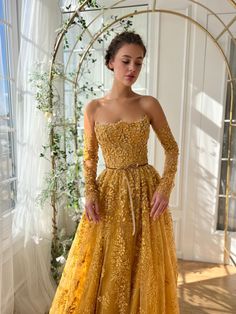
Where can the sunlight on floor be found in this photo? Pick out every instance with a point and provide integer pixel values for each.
(206, 288)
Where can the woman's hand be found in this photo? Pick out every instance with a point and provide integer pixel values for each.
(92, 211)
(159, 203)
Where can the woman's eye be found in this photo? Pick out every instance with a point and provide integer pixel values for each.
(138, 64)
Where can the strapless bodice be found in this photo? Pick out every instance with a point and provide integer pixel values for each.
(124, 143)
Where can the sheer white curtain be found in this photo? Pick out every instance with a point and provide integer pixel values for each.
(33, 285)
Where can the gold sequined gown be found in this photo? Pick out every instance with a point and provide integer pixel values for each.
(125, 264)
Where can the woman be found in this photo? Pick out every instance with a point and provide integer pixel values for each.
(122, 260)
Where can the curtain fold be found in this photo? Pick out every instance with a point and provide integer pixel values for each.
(34, 287)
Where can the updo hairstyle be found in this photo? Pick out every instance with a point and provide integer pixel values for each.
(126, 37)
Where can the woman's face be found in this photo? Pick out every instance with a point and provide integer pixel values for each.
(127, 63)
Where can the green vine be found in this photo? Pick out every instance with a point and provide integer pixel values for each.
(65, 148)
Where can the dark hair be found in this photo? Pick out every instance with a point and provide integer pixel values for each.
(126, 37)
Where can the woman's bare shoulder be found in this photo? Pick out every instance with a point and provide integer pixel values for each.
(92, 104)
(149, 101)
(91, 107)
(151, 106)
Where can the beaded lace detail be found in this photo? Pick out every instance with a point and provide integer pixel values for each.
(170, 146)
(125, 264)
(90, 160)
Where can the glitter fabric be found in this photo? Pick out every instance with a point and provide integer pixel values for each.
(126, 263)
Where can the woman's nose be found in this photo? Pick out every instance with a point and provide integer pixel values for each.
(132, 67)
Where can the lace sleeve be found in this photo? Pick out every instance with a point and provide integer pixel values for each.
(90, 159)
(171, 149)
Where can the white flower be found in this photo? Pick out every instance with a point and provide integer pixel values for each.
(48, 115)
(61, 259)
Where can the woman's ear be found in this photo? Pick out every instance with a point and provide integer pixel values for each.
(111, 65)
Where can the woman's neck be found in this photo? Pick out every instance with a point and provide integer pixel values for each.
(119, 92)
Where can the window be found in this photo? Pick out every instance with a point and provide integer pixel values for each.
(7, 88)
(225, 148)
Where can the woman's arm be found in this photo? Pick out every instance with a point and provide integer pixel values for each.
(162, 130)
(90, 160)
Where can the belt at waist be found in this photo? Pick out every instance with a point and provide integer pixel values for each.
(129, 189)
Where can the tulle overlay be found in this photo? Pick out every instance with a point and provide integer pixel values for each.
(125, 264)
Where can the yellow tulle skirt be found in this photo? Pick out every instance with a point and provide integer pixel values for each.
(125, 264)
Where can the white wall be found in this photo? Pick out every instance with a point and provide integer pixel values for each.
(190, 83)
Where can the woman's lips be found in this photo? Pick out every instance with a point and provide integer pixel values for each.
(130, 77)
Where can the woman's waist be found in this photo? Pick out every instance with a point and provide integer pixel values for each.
(126, 163)
(126, 166)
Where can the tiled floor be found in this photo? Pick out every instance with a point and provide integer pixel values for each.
(206, 288)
